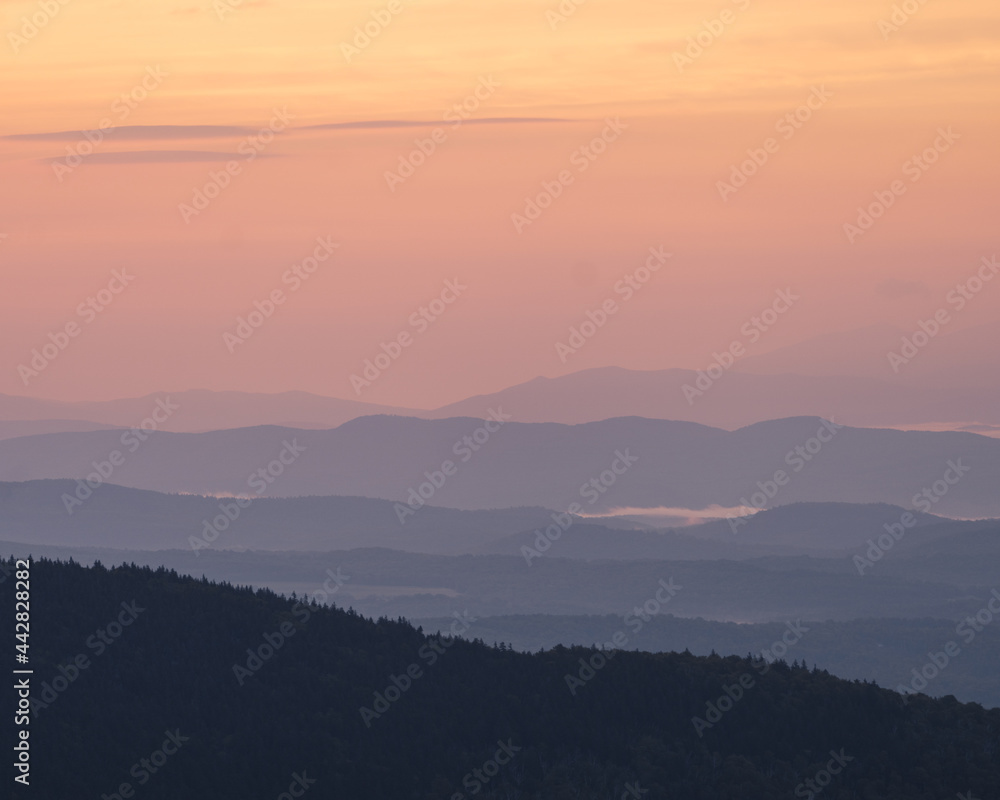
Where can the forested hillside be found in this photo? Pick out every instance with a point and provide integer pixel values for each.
(143, 678)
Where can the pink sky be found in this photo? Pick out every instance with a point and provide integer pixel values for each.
(656, 184)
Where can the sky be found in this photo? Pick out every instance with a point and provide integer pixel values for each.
(738, 137)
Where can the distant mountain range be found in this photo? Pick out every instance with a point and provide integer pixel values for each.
(794, 562)
(818, 529)
(195, 410)
(477, 560)
(815, 378)
(10, 429)
(394, 584)
(34, 512)
(734, 399)
(588, 468)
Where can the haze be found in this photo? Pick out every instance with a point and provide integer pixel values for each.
(546, 89)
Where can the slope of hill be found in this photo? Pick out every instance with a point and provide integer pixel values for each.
(15, 428)
(414, 585)
(199, 410)
(880, 650)
(821, 377)
(212, 691)
(738, 398)
(813, 528)
(823, 526)
(35, 512)
(586, 540)
(462, 463)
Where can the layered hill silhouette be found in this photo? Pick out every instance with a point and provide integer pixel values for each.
(942, 385)
(35, 512)
(11, 429)
(735, 399)
(593, 467)
(881, 648)
(416, 585)
(248, 693)
(193, 410)
(884, 650)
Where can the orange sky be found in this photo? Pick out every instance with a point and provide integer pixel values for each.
(656, 184)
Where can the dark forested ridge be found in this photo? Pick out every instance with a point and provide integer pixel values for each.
(885, 651)
(143, 678)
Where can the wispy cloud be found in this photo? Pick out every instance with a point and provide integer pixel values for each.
(162, 157)
(143, 132)
(409, 123)
(174, 132)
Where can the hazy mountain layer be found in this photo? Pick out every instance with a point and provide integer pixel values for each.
(503, 463)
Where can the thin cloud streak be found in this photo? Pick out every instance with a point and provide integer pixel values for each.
(142, 132)
(406, 123)
(164, 132)
(160, 157)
